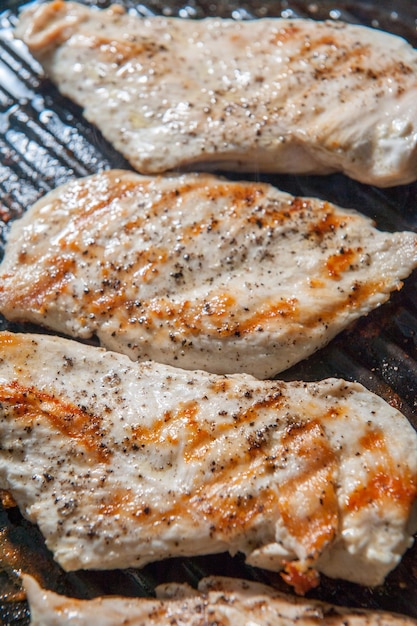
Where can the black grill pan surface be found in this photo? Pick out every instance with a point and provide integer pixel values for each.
(45, 141)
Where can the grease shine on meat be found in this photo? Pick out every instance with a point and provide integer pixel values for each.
(121, 464)
(272, 95)
(219, 600)
(197, 271)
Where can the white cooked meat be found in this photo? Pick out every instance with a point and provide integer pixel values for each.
(121, 464)
(271, 95)
(197, 271)
(218, 601)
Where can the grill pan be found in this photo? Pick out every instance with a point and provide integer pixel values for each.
(44, 142)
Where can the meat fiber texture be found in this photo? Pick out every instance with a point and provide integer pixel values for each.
(196, 271)
(277, 95)
(219, 600)
(121, 464)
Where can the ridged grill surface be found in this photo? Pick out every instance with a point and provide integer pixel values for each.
(44, 142)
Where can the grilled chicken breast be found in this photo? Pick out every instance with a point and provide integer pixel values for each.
(196, 271)
(121, 464)
(272, 95)
(219, 600)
